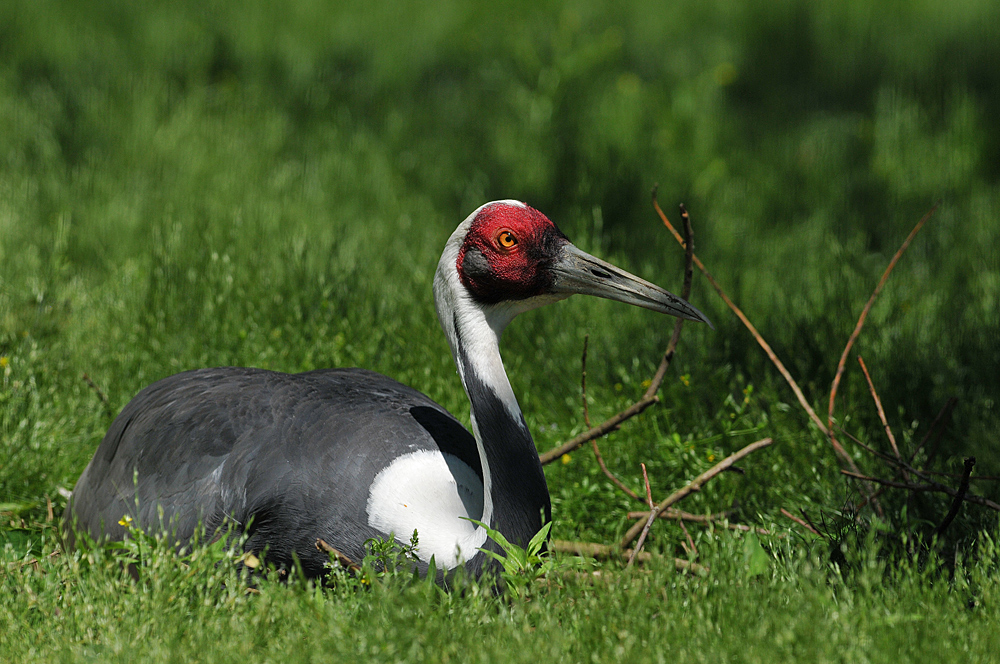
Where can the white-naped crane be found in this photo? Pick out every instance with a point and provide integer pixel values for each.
(345, 455)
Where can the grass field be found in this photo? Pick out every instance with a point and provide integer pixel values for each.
(186, 185)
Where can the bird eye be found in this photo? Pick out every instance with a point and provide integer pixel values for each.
(506, 239)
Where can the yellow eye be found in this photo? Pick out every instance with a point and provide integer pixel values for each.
(506, 240)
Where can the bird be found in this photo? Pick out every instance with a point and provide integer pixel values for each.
(348, 455)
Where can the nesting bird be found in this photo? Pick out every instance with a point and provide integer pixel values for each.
(345, 455)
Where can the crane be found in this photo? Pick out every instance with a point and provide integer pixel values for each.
(346, 455)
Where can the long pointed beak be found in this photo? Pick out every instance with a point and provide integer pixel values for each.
(577, 271)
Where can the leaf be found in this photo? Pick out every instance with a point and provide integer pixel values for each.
(535, 545)
(757, 560)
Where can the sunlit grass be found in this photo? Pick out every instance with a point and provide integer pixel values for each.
(184, 187)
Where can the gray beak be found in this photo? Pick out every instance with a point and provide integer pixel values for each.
(578, 272)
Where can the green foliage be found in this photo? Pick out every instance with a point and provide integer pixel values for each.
(385, 561)
(520, 567)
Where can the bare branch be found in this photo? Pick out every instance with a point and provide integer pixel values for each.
(100, 395)
(611, 476)
(671, 513)
(605, 552)
(801, 522)
(956, 504)
(604, 428)
(653, 511)
(857, 331)
(930, 486)
(696, 484)
(692, 549)
(586, 421)
(881, 413)
(344, 561)
(649, 398)
(746, 322)
(715, 519)
(675, 337)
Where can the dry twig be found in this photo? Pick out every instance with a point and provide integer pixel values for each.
(746, 322)
(344, 561)
(586, 422)
(956, 504)
(801, 522)
(677, 515)
(878, 407)
(583, 381)
(100, 393)
(929, 486)
(653, 511)
(605, 552)
(690, 548)
(696, 484)
(671, 513)
(857, 331)
(649, 398)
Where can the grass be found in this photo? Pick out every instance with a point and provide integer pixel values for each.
(77, 609)
(185, 186)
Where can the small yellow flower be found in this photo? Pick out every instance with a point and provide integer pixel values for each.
(686, 379)
(565, 459)
(711, 457)
(125, 521)
(647, 382)
(4, 361)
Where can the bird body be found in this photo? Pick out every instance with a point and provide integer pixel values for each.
(345, 455)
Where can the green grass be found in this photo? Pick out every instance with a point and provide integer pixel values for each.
(185, 186)
(75, 609)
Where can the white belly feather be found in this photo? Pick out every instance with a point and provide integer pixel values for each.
(430, 492)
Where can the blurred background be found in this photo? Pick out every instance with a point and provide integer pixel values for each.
(205, 183)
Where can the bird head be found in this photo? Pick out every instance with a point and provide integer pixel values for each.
(509, 258)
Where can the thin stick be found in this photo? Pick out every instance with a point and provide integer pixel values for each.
(649, 398)
(696, 484)
(671, 513)
(905, 467)
(611, 476)
(799, 521)
(606, 551)
(653, 511)
(746, 323)
(690, 542)
(956, 504)
(930, 486)
(100, 394)
(881, 411)
(675, 337)
(602, 429)
(868, 448)
(699, 518)
(586, 421)
(341, 558)
(645, 480)
(861, 323)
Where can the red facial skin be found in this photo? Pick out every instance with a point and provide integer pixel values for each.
(492, 272)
